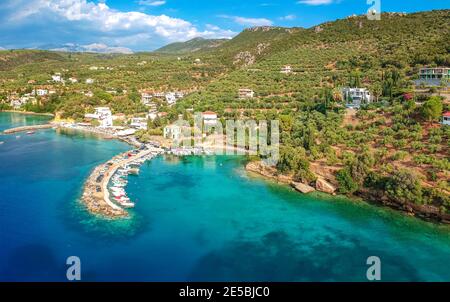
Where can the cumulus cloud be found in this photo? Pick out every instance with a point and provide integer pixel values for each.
(316, 2)
(151, 3)
(31, 22)
(249, 21)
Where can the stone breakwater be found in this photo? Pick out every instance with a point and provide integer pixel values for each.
(29, 128)
(96, 195)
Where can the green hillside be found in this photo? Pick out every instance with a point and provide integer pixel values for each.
(331, 55)
(10, 59)
(194, 45)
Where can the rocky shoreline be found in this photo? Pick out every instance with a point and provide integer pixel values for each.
(425, 212)
(321, 184)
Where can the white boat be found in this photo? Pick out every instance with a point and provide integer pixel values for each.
(125, 202)
(118, 190)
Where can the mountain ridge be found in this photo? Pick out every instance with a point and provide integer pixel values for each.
(190, 46)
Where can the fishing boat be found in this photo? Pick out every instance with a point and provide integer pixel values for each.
(1, 143)
(133, 171)
(125, 202)
(31, 132)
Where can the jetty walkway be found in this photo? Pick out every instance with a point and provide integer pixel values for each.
(28, 128)
(96, 195)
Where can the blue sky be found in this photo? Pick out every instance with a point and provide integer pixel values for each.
(137, 25)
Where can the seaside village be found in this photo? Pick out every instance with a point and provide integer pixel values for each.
(104, 191)
(104, 120)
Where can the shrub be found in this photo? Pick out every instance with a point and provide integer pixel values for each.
(346, 183)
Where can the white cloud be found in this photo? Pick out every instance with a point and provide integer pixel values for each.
(289, 17)
(316, 2)
(249, 21)
(151, 3)
(90, 22)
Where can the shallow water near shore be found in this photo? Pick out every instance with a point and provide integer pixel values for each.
(196, 219)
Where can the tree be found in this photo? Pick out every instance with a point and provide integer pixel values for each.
(404, 187)
(346, 183)
(432, 109)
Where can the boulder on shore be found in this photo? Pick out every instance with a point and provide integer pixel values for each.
(324, 186)
(301, 187)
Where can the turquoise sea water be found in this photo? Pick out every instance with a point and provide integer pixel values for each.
(196, 219)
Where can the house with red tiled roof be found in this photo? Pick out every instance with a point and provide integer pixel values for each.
(209, 117)
(446, 118)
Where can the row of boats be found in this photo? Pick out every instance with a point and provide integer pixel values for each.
(120, 180)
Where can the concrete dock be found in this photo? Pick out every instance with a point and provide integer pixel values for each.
(28, 128)
(96, 195)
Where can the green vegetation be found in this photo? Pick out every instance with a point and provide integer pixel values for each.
(196, 44)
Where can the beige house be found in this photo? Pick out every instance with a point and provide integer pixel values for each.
(246, 93)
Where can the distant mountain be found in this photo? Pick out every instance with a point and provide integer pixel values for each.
(196, 44)
(94, 48)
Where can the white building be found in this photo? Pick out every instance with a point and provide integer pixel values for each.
(286, 69)
(16, 103)
(40, 92)
(446, 118)
(355, 97)
(146, 98)
(73, 80)
(172, 132)
(89, 81)
(89, 94)
(246, 93)
(171, 98)
(209, 118)
(103, 115)
(179, 95)
(93, 68)
(139, 123)
(57, 77)
(152, 115)
(159, 94)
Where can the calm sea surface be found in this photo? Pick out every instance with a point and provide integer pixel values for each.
(196, 219)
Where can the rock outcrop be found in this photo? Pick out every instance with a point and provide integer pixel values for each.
(324, 186)
(302, 188)
(268, 172)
